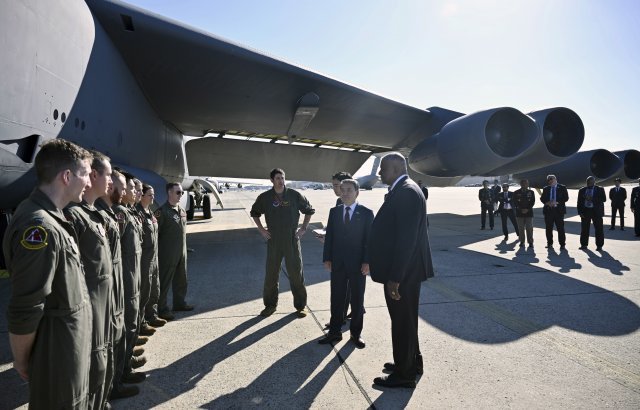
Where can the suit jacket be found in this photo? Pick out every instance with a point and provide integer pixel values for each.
(618, 198)
(485, 195)
(346, 246)
(502, 201)
(399, 242)
(562, 196)
(599, 198)
(524, 199)
(635, 198)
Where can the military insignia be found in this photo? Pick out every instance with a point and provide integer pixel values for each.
(176, 218)
(157, 213)
(34, 238)
(120, 216)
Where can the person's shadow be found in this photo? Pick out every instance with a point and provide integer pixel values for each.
(286, 383)
(606, 261)
(504, 246)
(188, 371)
(562, 260)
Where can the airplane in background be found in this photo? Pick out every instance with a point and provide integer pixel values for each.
(130, 83)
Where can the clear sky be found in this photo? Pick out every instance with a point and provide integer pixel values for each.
(462, 55)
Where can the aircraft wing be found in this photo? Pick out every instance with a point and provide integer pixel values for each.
(202, 84)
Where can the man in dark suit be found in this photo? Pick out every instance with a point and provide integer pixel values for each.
(400, 258)
(554, 196)
(485, 196)
(506, 209)
(345, 256)
(635, 208)
(617, 195)
(591, 199)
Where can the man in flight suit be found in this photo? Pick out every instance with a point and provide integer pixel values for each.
(49, 311)
(90, 226)
(172, 252)
(524, 200)
(281, 207)
(130, 236)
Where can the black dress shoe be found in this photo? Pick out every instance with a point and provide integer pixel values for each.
(168, 316)
(122, 391)
(392, 366)
(330, 338)
(391, 381)
(183, 308)
(357, 340)
(134, 377)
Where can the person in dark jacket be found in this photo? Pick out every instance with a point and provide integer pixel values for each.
(554, 197)
(635, 208)
(524, 199)
(591, 199)
(617, 196)
(506, 209)
(345, 256)
(485, 196)
(400, 258)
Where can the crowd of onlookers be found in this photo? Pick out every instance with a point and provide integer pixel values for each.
(517, 207)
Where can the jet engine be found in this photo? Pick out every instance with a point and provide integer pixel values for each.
(630, 171)
(561, 134)
(469, 145)
(573, 171)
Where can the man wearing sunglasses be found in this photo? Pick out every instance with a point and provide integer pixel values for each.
(172, 252)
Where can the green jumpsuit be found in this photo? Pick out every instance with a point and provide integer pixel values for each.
(49, 296)
(130, 235)
(172, 255)
(282, 214)
(117, 307)
(91, 228)
(150, 289)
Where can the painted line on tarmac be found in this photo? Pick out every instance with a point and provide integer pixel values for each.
(601, 363)
(344, 364)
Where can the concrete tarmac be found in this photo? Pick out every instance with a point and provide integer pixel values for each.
(501, 327)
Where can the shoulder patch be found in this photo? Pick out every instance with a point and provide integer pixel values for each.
(157, 213)
(34, 238)
(120, 216)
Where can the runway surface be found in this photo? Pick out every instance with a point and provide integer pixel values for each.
(500, 327)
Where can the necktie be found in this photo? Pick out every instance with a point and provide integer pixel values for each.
(346, 216)
(553, 193)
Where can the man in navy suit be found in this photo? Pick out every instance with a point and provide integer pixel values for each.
(591, 199)
(506, 210)
(554, 196)
(346, 257)
(400, 258)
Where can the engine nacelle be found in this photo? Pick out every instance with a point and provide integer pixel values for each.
(630, 170)
(470, 144)
(573, 171)
(561, 134)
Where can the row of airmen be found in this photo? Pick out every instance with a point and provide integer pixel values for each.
(518, 208)
(90, 266)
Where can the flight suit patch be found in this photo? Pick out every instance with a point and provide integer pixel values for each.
(34, 238)
(157, 214)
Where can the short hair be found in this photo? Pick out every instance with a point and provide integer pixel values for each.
(146, 188)
(55, 156)
(341, 176)
(115, 174)
(396, 158)
(171, 185)
(356, 184)
(591, 177)
(276, 171)
(550, 176)
(99, 161)
(523, 180)
(137, 181)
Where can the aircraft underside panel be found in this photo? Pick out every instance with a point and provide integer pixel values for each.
(223, 157)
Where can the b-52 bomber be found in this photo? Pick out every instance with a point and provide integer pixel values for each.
(131, 84)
